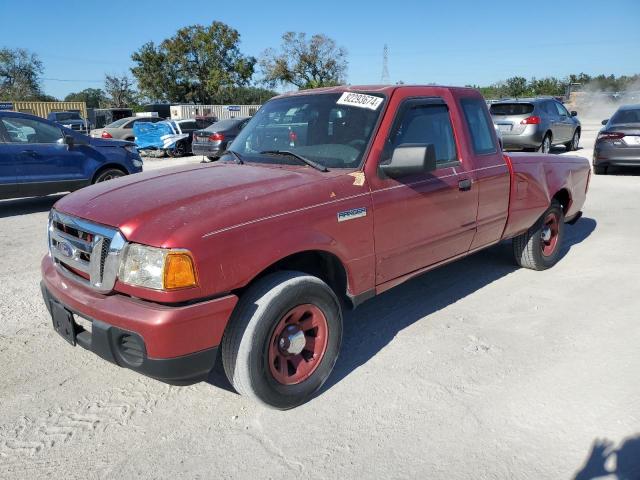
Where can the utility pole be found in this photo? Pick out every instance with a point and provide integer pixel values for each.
(385, 79)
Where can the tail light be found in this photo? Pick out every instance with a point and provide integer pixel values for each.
(610, 136)
(532, 120)
(106, 135)
(216, 137)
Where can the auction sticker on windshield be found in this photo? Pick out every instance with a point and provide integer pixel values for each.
(360, 100)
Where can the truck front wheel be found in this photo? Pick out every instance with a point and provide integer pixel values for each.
(283, 339)
(539, 247)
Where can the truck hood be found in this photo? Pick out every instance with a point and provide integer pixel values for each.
(167, 208)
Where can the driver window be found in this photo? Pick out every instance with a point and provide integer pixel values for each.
(27, 130)
(427, 124)
(561, 110)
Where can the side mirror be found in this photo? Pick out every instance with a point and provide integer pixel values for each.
(574, 113)
(410, 159)
(69, 140)
(605, 121)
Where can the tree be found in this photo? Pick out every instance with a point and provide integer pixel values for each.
(318, 62)
(93, 97)
(195, 65)
(516, 86)
(20, 73)
(119, 91)
(244, 96)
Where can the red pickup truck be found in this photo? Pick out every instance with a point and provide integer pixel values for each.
(326, 198)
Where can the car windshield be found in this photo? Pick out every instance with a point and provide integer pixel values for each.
(626, 116)
(511, 108)
(118, 123)
(330, 129)
(63, 116)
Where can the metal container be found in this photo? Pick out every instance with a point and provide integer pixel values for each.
(42, 109)
(179, 112)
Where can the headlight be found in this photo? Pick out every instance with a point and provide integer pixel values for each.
(137, 162)
(157, 268)
(131, 148)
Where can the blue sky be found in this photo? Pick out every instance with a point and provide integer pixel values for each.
(447, 42)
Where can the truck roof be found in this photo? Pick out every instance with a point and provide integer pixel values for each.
(384, 89)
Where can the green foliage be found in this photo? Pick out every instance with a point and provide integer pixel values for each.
(520, 87)
(93, 97)
(318, 62)
(20, 73)
(243, 96)
(196, 65)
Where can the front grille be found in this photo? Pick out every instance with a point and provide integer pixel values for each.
(85, 251)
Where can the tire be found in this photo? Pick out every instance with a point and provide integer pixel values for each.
(252, 354)
(573, 145)
(545, 146)
(213, 159)
(532, 249)
(179, 150)
(600, 169)
(109, 174)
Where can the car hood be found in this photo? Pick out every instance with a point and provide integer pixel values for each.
(168, 207)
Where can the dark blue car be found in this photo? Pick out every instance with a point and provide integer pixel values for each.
(39, 157)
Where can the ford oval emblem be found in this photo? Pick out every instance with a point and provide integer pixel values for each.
(65, 249)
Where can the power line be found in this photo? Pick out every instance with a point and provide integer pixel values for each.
(70, 80)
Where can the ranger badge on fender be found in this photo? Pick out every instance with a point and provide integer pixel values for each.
(351, 214)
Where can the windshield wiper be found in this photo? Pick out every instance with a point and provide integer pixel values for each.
(236, 155)
(302, 159)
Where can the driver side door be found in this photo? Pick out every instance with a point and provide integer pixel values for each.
(44, 162)
(426, 218)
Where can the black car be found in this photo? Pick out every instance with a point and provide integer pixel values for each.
(618, 143)
(213, 140)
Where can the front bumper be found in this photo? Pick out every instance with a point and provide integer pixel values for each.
(175, 344)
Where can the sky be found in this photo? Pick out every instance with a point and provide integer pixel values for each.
(446, 42)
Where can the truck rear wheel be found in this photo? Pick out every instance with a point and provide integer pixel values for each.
(539, 247)
(283, 339)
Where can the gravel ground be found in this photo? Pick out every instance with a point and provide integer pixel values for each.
(475, 370)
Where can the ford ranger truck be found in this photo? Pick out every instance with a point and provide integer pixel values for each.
(325, 199)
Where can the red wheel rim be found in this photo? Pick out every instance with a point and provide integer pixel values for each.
(298, 344)
(549, 237)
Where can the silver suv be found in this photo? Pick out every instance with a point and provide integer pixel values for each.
(535, 124)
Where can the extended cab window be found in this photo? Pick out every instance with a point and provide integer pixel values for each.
(26, 130)
(480, 125)
(424, 124)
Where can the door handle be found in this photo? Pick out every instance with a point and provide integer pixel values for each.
(464, 185)
(30, 153)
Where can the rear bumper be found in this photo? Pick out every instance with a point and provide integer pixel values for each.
(531, 138)
(211, 150)
(178, 343)
(605, 154)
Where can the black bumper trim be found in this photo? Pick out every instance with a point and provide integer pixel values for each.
(104, 340)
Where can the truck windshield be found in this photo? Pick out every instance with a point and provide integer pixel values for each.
(331, 129)
(64, 116)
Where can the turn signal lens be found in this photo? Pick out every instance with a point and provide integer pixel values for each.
(106, 135)
(216, 137)
(179, 271)
(610, 136)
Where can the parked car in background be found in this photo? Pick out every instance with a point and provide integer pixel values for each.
(122, 129)
(174, 137)
(618, 143)
(39, 157)
(71, 120)
(183, 147)
(535, 124)
(213, 140)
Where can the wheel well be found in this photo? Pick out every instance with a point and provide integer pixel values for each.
(321, 264)
(579, 130)
(108, 167)
(564, 198)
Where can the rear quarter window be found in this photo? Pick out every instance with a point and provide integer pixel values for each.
(480, 125)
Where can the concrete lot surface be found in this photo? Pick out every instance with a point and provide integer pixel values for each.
(475, 370)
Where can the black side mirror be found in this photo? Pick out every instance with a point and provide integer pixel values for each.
(574, 113)
(605, 121)
(69, 140)
(410, 159)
